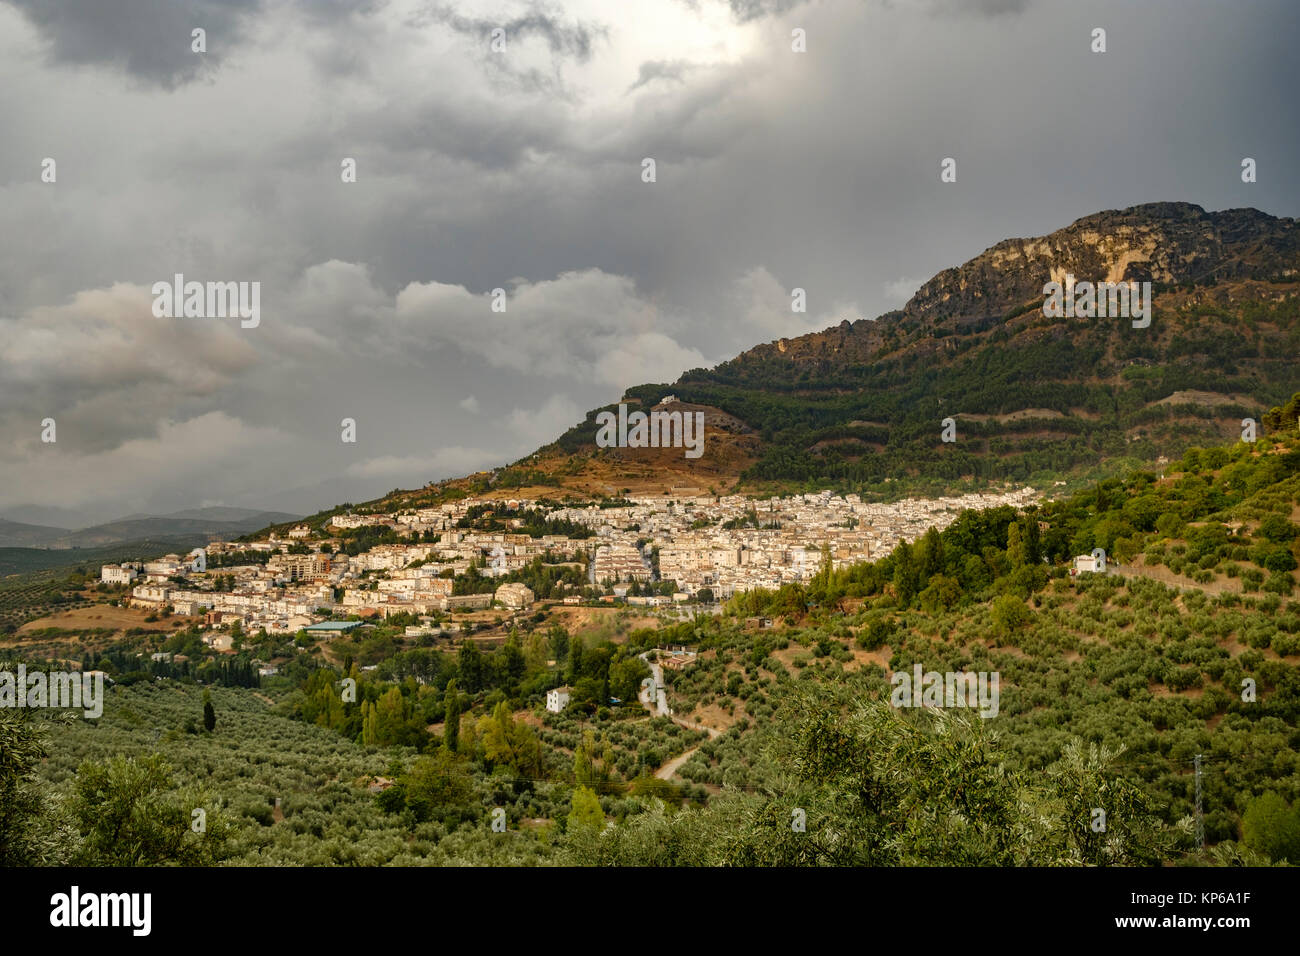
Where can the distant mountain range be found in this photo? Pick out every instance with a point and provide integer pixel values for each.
(218, 522)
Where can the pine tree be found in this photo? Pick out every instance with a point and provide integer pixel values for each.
(209, 714)
(470, 661)
(585, 810)
(390, 717)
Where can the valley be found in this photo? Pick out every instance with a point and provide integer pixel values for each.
(630, 651)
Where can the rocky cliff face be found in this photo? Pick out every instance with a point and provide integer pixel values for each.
(1166, 243)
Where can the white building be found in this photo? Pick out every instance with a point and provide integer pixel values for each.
(557, 699)
(164, 568)
(115, 574)
(425, 630)
(1085, 562)
(515, 595)
(150, 595)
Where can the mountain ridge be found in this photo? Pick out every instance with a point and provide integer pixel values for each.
(186, 524)
(944, 353)
(861, 405)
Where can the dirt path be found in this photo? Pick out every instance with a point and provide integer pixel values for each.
(660, 707)
(683, 722)
(668, 770)
(330, 655)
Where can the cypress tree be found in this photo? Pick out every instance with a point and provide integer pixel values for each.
(451, 725)
(575, 658)
(906, 574)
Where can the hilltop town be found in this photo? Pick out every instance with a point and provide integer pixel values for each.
(474, 554)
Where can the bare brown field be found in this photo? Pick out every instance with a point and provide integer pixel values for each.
(1203, 399)
(98, 616)
(717, 718)
(581, 619)
(880, 657)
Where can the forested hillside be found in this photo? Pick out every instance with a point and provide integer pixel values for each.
(1112, 685)
(1033, 398)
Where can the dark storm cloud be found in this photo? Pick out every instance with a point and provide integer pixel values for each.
(987, 8)
(567, 43)
(568, 40)
(746, 10)
(776, 169)
(150, 39)
(327, 11)
(661, 70)
(488, 134)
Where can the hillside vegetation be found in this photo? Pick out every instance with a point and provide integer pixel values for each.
(1112, 684)
(860, 407)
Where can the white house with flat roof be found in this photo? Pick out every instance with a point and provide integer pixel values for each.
(117, 574)
(557, 699)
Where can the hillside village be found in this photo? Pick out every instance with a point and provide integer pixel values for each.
(695, 549)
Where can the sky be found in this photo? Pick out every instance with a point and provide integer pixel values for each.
(518, 163)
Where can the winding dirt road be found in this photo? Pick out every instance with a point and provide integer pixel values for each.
(660, 708)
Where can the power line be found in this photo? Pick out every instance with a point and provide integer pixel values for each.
(1200, 816)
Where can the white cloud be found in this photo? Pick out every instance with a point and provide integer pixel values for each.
(901, 289)
(764, 305)
(195, 455)
(105, 368)
(588, 325)
(544, 423)
(451, 460)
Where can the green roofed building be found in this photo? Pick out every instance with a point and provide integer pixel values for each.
(331, 627)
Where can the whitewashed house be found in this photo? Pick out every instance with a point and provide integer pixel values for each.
(515, 595)
(1085, 563)
(557, 699)
(117, 574)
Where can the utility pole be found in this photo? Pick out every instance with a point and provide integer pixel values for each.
(1200, 815)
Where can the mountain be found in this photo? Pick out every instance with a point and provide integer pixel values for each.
(16, 534)
(225, 515)
(1032, 398)
(182, 526)
(861, 406)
